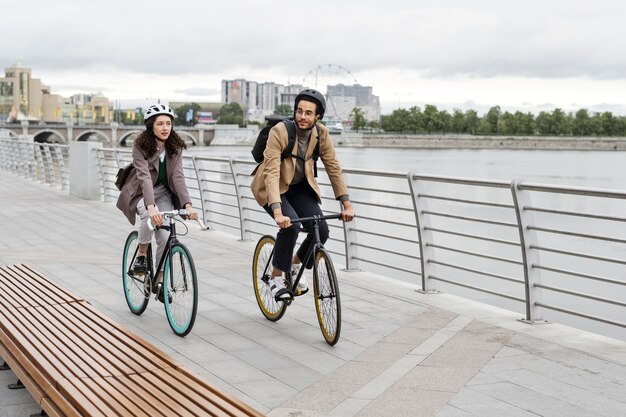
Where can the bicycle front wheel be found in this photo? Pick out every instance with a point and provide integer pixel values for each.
(326, 294)
(136, 287)
(261, 272)
(180, 290)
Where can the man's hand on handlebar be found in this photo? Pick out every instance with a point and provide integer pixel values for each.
(347, 214)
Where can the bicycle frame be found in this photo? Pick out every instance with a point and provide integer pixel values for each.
(315, 244)
(171, 240)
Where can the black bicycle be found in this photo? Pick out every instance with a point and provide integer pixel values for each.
(325, 286)
(180, 283)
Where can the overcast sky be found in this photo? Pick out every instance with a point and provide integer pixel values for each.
(530, 55)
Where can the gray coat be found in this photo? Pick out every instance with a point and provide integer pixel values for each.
(140, 182)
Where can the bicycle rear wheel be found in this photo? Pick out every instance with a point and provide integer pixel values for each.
(326, 294)
(261, 272)
(136, 287)
(180, 290)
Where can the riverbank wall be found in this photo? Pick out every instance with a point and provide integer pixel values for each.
(480, 142)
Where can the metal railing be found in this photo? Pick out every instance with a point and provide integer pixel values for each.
(546, 251)
(44, 162)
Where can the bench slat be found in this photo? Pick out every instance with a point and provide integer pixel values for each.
(57, 351)
(110, 342)
(18, 289)
(203, 393)
(23, 373)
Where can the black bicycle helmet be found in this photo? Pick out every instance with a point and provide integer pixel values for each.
(315, 96)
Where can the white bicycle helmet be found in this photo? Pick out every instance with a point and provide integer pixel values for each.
(158, 109)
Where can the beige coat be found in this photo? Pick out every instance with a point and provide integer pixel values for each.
(140, 182)
(273, 176)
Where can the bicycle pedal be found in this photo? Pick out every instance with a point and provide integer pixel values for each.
(298, 293)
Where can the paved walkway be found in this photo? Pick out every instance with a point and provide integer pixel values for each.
(401, 353)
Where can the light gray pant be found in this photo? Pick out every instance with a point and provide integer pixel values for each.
(163, 200)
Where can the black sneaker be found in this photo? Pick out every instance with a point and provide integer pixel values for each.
(161, 298)
(141, 264)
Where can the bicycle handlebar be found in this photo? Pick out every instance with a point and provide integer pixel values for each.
(168, 215)
(315, 218)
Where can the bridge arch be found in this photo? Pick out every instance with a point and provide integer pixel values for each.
(187, 137)
(92, 135)
(49, 136)
(127, 138)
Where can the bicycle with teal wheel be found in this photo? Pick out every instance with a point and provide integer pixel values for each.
(180, 282)
(325, 286)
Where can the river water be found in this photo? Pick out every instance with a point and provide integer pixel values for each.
(596, 169)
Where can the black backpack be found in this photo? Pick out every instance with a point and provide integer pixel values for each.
(261, 140)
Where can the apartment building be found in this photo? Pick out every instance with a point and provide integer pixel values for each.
(261, 99)
(23, 97)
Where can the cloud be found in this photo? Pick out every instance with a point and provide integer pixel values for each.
(413, 40)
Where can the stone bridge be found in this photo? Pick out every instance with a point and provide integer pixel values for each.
(112, 134)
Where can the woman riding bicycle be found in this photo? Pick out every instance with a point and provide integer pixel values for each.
(157, 183)
(287, 188)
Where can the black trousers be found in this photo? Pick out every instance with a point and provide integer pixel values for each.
(299, 201)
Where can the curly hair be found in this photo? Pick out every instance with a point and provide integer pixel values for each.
(147, 141)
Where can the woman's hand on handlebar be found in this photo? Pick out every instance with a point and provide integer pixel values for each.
(155, 215)
(191, 213)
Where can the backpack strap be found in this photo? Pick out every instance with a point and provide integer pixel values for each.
(291, 138)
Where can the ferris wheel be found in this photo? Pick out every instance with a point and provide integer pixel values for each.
(323, 76)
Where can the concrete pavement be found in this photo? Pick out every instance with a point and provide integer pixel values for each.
(401, 353)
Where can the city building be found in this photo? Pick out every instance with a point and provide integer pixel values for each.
(261, 99)
(23, 97)
(341, 99)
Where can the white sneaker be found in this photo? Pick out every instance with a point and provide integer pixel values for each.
(278, 289)
(302, 288)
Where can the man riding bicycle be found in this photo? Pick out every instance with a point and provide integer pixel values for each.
(287, 188)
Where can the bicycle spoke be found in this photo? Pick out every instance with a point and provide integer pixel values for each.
(326, 294)
(134, 285)
(180, 290)
(261, 267)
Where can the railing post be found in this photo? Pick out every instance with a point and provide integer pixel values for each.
(350, 240)
(41, 169)
(200, 191)
(240, 202)
(50, 164)
(424, 234)
(62, 152)
(530, 256)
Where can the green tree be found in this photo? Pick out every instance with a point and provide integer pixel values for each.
(544, 123)
(471, 121)
(416, 119)
(374, 125)
(432, 122)
(508, 124)
(182, 113)
(457, 124)
(560, 124)
(397, 121)
(358, 118)
(492, 120)
(231, 114)
(284, 110)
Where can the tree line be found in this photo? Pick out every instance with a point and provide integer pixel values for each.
(431, 120)
(496, 122)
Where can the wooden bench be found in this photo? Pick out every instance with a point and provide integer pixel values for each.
(75, 361)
